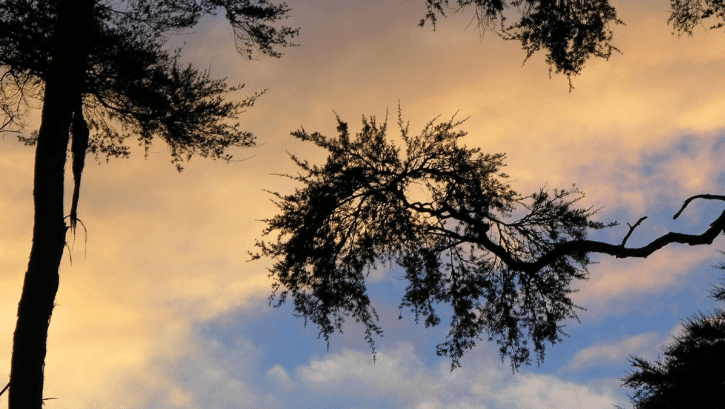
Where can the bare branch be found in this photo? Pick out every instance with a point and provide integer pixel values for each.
(589, 246)
(687, 202)
(631, 229)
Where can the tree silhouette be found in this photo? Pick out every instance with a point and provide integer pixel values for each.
(103, 73)
(504, 262)
(692, 372)
(99, 67)
(686, 14)
(568, 31)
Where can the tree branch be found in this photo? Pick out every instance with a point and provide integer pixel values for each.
(631, 229)
(619, 251)
(687, 202)
(510, 280)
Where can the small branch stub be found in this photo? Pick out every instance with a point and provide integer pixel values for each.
(631, 229)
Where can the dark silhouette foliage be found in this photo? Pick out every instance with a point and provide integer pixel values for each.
(569, 31)
(686, 14)
(691, 374)
(356, 210)
(102, 72)
(133, 84)
(503, 261)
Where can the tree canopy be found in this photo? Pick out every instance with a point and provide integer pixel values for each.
(133, 83)
(444, 213)
(691, 374)
(568, 31)
(104, 72)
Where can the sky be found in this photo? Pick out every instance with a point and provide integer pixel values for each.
(160, 307)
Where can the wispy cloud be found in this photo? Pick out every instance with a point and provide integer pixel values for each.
(615, 353)
(480, 384)
(617, 284)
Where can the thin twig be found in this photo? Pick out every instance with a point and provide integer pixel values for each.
(687, 202)
(631, 229)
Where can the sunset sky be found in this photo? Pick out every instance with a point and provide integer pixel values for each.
(161, 308)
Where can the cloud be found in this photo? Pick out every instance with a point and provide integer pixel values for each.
(614, 353)
(168, 251)
(280, 376)
(158, 260)
(392, 371)
(615, 285)
(219, 376)
(401, 379)
(549, 392)
(660, 177)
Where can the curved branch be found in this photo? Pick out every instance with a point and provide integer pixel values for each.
(687, 202)
(619, 251)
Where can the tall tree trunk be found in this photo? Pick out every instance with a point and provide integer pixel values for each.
(63, 88)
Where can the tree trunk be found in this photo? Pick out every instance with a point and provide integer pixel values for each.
(63, 88)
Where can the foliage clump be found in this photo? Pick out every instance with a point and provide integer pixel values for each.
(458, 243)
(691, 374)
(133, 83)
(686, 14)
(569, 31)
